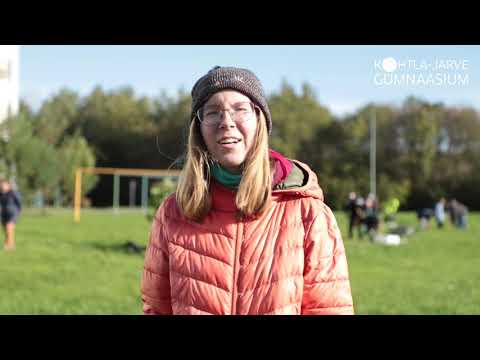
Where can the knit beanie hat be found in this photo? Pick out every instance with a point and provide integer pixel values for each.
(230, 78)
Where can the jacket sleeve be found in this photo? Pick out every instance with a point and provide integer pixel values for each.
(326, 282)
(155, 286)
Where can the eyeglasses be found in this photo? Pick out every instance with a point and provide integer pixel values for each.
(240, 112)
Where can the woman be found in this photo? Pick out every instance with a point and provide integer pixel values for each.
(11, 206)
(247, 231)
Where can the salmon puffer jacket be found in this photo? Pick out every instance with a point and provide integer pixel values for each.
(290, 260)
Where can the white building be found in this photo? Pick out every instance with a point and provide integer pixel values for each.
(9, 80)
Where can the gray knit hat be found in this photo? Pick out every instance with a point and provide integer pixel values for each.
(223, 78)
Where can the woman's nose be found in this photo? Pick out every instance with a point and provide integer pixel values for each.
(226, 119)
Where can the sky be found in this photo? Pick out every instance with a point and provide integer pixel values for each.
(344, 77)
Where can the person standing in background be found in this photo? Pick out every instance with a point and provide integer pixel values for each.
(440, 212)
(11, 206)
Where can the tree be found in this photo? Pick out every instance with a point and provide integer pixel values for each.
(424, 150)
(296, 119)
(56, 116)
(172, 117)
(32, 161)
(73, 153)
(116, 125)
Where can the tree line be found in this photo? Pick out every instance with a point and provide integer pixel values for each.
(424, 150)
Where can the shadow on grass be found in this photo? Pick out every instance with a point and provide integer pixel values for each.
(128, 247)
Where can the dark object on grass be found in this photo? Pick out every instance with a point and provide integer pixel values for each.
(131, 247)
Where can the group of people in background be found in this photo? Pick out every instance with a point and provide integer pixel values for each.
(457, 212)
(363, 215)
(10, 208)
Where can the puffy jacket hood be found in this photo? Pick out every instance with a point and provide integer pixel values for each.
(301, 181)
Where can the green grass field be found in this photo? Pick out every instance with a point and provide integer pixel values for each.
(64, 268)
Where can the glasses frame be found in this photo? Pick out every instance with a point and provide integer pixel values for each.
(255, 108)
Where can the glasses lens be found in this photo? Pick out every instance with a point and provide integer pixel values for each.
(243, 111)
(212, 115)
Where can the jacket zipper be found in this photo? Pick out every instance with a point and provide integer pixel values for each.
(236, 265)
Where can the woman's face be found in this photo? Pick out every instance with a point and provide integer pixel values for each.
(229, 141)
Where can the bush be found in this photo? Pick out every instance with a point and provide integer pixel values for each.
(158, 192)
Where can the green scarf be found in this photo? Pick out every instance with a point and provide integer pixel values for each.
(225, 177)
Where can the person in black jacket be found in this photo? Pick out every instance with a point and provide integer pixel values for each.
(352, 197)
(355, 207)
(11, 206)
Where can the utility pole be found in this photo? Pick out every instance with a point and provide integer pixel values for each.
(373, 153)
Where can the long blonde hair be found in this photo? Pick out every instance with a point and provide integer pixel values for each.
(254, 191)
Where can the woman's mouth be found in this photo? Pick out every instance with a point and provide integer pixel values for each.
(229, 141)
